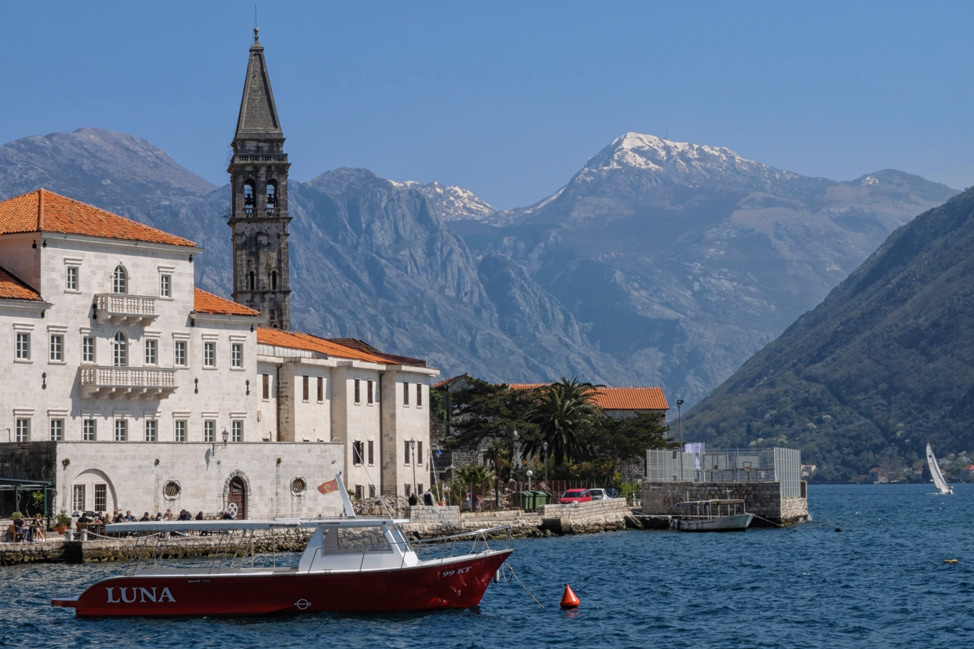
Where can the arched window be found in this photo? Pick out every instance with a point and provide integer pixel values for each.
(273, 280)
(249, 198)
(271, 197)
(120, 350)
(251, 281)
(120, 280)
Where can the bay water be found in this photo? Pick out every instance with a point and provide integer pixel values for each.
(868, 571)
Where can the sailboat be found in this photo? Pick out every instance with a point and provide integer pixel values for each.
(938, 477)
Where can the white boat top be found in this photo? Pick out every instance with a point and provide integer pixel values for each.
(148, 527)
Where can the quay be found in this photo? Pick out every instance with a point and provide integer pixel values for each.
(424, 522)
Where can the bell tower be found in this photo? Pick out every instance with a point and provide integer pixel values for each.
(258, 217)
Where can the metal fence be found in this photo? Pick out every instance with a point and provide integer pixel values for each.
(767, 465)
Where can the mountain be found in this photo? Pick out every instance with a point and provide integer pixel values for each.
(658, 263)
(683, 260)
(882, 366)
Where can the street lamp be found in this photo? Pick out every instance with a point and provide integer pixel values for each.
(412, 452)
(679, 425)
(530, 473)
(545, 446)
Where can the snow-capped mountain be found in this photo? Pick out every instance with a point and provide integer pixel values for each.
(450, 202)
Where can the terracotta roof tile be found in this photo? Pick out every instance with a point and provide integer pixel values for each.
(363, 346)
(204, 302)
(298, 340)
(45, 211)
(617, 398)
(12, 288)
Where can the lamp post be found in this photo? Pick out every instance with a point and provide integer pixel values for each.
(530, 473)
(412, 452)
(679, 425)
(514, 457)
(545, 446)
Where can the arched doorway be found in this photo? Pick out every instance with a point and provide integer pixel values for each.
(237, 498)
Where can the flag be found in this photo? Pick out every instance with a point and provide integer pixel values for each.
(328, 487)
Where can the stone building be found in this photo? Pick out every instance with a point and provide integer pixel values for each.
(127, 387)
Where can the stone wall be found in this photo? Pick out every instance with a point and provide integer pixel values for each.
(763, 499)
(577, 518)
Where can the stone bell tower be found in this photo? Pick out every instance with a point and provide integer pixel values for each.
(259, 218)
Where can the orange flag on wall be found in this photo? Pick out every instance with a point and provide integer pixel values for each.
(328, 487)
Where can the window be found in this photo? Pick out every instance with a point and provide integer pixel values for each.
(359, 491)
(248, 196)
(369, 393)
(358, 393)
(101, 497)
(180, 430)
(23, 430)
(87, 349)
(321, 389)
(171, 490)
(236, 355)
(209, 431)
(57, 430)
(120, 281)
(57, 348)
(236, 433)
(151, 430)
(179, 353)
(419, 395)
(273, 280)
(23, 345)
(371, 453)
(251, 281)
(298, 486)
(271, 197)
(151, 351)
(405, 452)
(305, 388)
(165, 285)
(409, 488)
(405, 394)
(121, 430)
(71, 278)
(78, 498)
(120, 350)
(419, 455)
(371, 491)
(89, 430)
(209, 354)
(266, 379)
(357, 453)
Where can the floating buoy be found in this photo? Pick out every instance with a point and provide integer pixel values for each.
(950, 560)
(568, 600)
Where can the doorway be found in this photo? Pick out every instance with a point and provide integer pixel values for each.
(237, 498)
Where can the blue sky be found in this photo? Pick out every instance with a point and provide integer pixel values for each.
(508, 99)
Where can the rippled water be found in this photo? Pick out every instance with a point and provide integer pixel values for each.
(879, 582)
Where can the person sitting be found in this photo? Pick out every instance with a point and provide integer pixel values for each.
(158, 516)
(145, 517)
(227, 516)
(199, 516)
(129, 518)
(37, 528)
(413, 500)
(428, 498)
(118, 517)
(168, 516)
(84, 518)
(21, 530)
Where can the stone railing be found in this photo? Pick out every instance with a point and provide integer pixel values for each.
(122, 308)
(127, 381)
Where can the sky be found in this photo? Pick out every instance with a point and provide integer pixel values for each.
(507, 99)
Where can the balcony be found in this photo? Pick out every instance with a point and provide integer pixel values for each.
(118, 308)
(128, 382)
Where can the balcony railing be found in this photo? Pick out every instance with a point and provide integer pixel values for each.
(132, 382)
(128, 309)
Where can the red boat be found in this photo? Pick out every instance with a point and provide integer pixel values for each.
(350, 564)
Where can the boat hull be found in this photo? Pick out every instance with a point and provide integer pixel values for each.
(458, 583)
(734, 523)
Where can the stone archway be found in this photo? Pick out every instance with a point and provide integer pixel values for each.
(237, 497)
(97, 492)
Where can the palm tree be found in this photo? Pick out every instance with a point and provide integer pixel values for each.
(564, 411)
(475, 476)
(497, 455)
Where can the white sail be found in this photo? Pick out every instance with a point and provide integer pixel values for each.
(938, 477)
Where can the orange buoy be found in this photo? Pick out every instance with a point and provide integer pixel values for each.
(569, 600)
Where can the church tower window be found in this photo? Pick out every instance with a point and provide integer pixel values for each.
(271, 197)
(249, 198)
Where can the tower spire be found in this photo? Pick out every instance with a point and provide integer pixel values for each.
(259, 217)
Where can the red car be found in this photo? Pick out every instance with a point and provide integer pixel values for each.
(575, 496)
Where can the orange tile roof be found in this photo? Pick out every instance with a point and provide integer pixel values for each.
(12, 288)
(616, 398)
(298, 340)
(204, 302)
(45, 211)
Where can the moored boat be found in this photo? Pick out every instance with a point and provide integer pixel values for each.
(714, 515)
(350, 564)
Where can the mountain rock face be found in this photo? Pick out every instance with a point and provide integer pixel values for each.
(659, 263)
(682, 260)
(882, 366)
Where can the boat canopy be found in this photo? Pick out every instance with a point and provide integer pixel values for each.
(230, 525)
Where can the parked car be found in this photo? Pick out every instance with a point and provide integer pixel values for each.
(575, 496)
(599, 494)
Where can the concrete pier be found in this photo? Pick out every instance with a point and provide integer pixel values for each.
(763, 499)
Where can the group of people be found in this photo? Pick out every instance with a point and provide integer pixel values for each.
(428, 499)
(30, 529)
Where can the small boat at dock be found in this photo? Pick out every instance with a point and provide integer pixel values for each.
(714, 515)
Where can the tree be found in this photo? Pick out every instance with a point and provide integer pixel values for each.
(482, 411)
(564, 412)
(621, 442)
